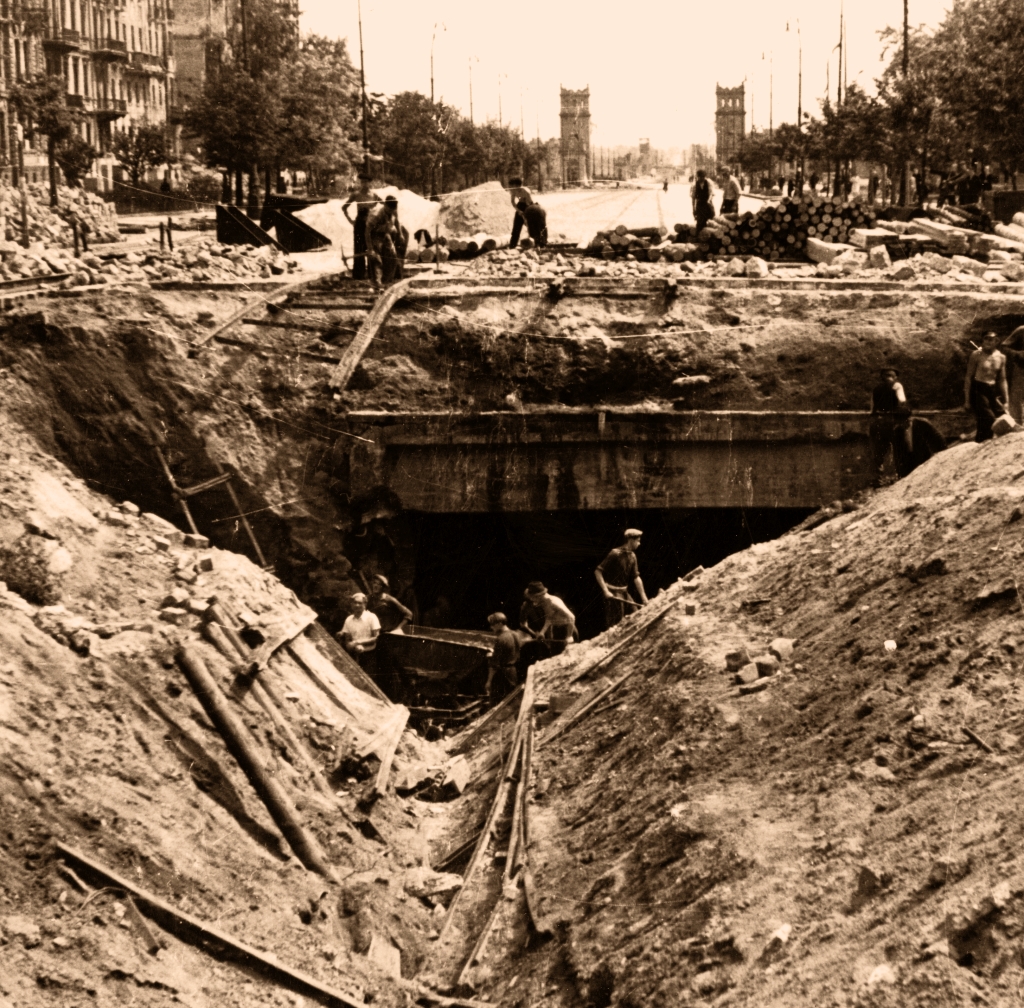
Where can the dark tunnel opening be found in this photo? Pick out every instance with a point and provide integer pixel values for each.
(469, 565)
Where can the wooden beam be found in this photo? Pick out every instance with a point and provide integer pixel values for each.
(353, 353)
(279, 297)
(380, 785)
(621, 644)
(196, 932)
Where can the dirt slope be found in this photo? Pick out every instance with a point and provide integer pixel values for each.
(833, 839)
(104, 746)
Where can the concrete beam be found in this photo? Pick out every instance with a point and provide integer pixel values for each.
(595, 460)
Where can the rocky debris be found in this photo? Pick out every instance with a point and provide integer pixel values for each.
(203, 260)
(33, 566)
(50, 228)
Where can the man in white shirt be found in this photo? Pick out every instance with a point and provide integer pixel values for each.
(360, 631)
(730, 194)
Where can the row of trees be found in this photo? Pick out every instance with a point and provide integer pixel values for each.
(956, 99)
(285, 102)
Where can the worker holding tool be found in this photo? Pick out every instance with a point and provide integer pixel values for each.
(359, 633)
(889, 429)
(501, 662)
(364, 198)
(985, 388)
(528, 210)
(619, 571)
(559, 622)
(391, 614)
(382, 229)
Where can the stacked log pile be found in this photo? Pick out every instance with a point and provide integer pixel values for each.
(53, 225)
(782, 231)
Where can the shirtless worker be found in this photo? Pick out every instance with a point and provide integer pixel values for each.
(985, 388)
(616, 573)
(364, 198)
(528, 210)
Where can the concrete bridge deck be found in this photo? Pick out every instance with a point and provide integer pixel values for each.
(609, 459)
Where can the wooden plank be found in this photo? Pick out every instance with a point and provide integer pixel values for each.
(260, 348)
(621, 644)
(273, 323)
(380, 784)
(345, 663)
(383, 733)
(467, 739)
(367, 331)
(196, 932)
(279, 297)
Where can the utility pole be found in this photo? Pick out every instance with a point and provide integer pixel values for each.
(471, 90)
(499, 102)
(906, 38)
(905, 174)
(362, 85)
(432, 37)
(839, 75)
(771, 94)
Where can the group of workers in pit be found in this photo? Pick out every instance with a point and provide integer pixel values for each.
(993, 389)
(380, 241)
(543, 618)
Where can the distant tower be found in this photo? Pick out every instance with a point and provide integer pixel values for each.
(575, 146)
(730, 120)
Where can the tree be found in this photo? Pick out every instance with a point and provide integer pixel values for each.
(75, 156)
(139, 148)
(756, 153)
(41, 106)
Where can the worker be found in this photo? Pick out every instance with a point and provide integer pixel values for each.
(501, 662)
(391, 614)
(531, 614)
(364, 199)
(700, 193)
(730, 193)
(359, 633)
(1014, 350)
(616, 574)
(381, 231)
(985, 387)
(528, 211)
(664, 186)
(559, 622)
(889, 428)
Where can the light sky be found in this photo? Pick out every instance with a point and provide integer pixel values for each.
(651, 67)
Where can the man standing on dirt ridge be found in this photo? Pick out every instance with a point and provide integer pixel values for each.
(890, 415)
(621, 569)
(364, 198)
(983, 383)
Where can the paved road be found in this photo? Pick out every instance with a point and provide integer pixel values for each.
(579, 213)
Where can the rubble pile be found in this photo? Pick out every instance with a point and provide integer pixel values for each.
(52, 226)
(205, 260)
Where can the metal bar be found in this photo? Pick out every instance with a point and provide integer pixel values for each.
(205, 485)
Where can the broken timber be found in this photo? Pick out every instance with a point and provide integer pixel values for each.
(196, 932)
(367, 331)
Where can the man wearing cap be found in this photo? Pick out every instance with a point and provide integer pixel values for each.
(615, 574)
(388, 610)
(360, 631)
(502, 659)
(559, 622)
(365, 199)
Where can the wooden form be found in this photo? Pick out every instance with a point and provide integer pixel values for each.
(279, 297)
(590, 669)
(196, 932)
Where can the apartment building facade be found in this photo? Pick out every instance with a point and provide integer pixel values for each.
(116, 57)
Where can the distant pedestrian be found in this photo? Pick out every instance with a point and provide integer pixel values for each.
(559, 622)
(528, 212)
(364, 199)
(501, 663)
(664, 186)
(730, 193)
(359, 634)
(890, 416)
(984, 382)
(814, 179)
(790, 186)
(616, 574)
(700, 193)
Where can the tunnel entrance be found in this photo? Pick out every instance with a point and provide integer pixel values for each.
(469, 565)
